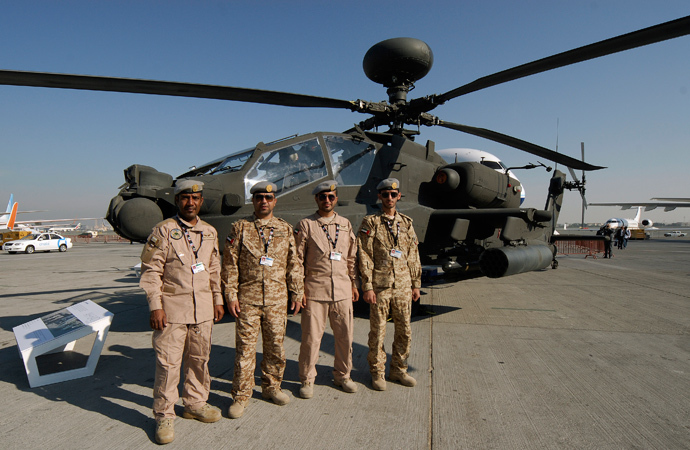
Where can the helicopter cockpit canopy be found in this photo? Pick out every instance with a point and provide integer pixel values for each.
(229, 163)
(295, 165)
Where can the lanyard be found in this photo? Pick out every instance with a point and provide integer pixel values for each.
(337, 231)
(263, 239)
(189, 237)
(390, 230)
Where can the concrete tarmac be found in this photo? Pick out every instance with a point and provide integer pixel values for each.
(594, 355)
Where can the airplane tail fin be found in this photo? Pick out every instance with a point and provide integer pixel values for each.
(6, 216)
(639, 214)
(13, 216)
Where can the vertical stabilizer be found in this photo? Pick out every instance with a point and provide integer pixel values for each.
(13, 216)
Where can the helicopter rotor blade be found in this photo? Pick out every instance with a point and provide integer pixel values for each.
(137, 86)
(657, 33)
(572, 174)
(520, 145)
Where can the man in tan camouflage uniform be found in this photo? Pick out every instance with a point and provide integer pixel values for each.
(180, 272)
(327, 248)
(260, 266)
(391, 279)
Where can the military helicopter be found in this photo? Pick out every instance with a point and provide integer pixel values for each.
(467, 216)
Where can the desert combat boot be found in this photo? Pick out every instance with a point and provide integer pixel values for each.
(237, 409)
(307, 390)
(206, 414)
(165, 430)
(403, 378)
(276, 396)
(347, 385)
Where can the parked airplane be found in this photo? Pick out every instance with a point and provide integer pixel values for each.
(632, 224)
(8, 220)
(59, 229)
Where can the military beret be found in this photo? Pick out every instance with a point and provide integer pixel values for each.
(263, 186)
(188, 186)
(388, 183)
(325, 186)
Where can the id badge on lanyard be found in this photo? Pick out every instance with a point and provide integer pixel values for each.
(336, 256)
(266, 261)
(198, 267)
(395, 253)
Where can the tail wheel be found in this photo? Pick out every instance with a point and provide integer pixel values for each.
(29, 250)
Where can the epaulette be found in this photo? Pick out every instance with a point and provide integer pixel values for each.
(284, 222)
(404, 216)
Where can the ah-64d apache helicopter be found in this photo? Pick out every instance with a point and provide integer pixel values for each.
(467, 216)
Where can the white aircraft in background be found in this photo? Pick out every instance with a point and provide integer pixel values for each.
(451, 155)
(8, 220)
(59, 229)
(632, 224)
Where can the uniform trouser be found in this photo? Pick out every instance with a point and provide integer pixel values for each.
(399, 303)
(176, 345)
(314, 317)
(271, 321)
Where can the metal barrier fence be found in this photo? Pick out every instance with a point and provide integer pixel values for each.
(103, 238)
(580, 247)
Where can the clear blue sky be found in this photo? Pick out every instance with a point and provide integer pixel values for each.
(65, 150)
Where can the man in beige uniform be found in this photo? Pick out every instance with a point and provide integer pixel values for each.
(180, 273)
(391, 279)
(260, 266)
(327, 248)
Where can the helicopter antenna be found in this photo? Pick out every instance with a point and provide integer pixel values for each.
(557, 122)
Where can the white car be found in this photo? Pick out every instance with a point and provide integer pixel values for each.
(674, 234)
(38, 242)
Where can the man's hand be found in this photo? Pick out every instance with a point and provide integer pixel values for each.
(355, 294)
(369, 297)
(415, 294)
(234, 308)
(158, 320)
(218, 312)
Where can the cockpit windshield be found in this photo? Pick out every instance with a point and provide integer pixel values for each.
(230, 163)
(496, 165)
(233, 163)
(289, 167)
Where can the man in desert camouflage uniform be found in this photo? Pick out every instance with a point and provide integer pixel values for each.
(260, 266)
(180, 272)
(327, 248)
(391, 279)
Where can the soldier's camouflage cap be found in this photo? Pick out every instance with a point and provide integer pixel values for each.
(326, 186)
(263, 186)
(188, 187)
(388, 183)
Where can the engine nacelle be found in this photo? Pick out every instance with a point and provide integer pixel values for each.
(647, 223)
(473, 185)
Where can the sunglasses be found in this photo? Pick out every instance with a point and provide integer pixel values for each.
(389, 194)
(330, 197)
(261, 197)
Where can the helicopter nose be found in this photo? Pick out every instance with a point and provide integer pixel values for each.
(134, 218)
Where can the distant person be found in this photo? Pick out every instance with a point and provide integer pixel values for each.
(391, 281)
(327, 249)
(180, 272)
(608, 232)
(620, 236)
(260, 267)
(626, 237)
